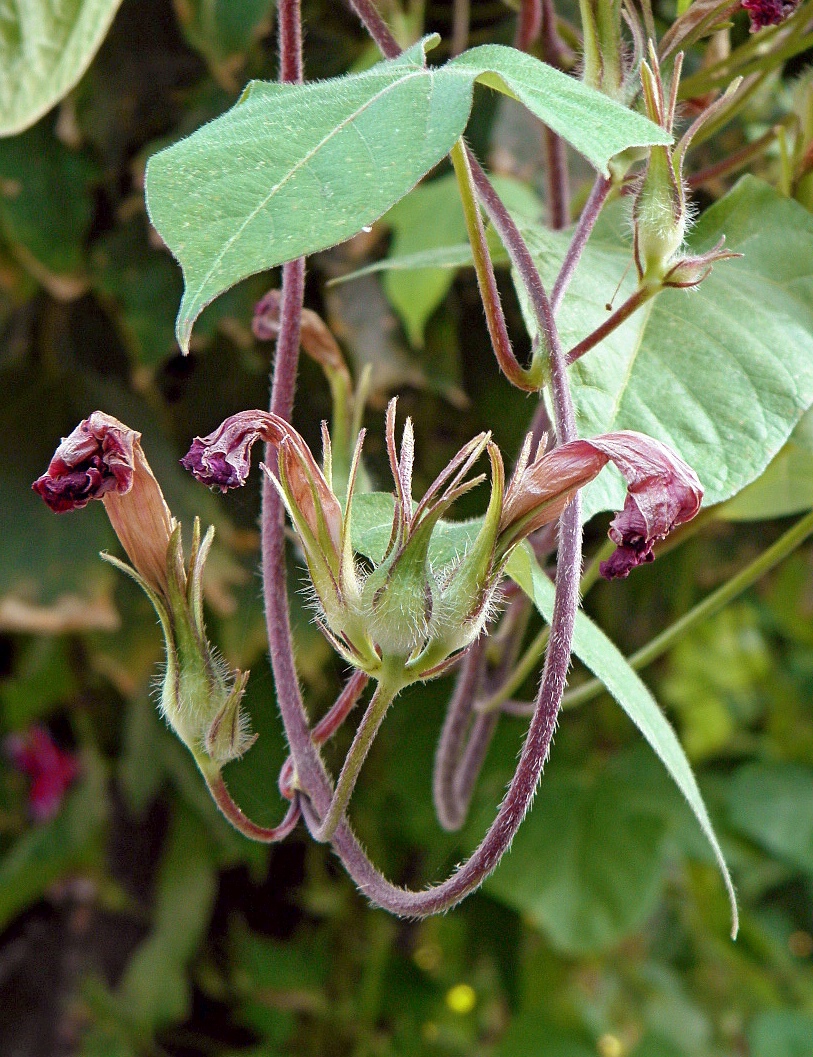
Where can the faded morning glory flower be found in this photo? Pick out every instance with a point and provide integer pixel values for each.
(764, 13)
(51, 769)
(103, 459)
(404, 612)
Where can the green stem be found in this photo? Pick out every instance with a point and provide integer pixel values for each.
(705, 609)
(385, 693)
(484, 269)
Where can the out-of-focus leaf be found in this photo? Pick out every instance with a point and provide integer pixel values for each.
(230, 200)
(223, 30)
(722, 373)
(714, 679)
(785, 488)
(42, 678)
(45, 200)
(603, 658)
(530, 1034)
(781, 1033)
(45, 47)
(143, 285)
(772, 803)
(428, 220)
(587, 864)
(155, 990)
(69, 842)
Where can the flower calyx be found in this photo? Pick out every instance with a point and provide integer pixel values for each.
(200, 697)
(661, 214)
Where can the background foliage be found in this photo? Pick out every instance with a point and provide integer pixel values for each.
(135, 921)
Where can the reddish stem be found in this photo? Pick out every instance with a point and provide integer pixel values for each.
(222, 797)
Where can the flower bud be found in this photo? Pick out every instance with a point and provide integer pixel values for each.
(200, 697)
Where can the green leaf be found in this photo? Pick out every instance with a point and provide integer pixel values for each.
(781, 1033)
(222, 30)
(785, 488)
(587, 863)
(430, 220)
(602, 657)
(721, 373)
(45, 47)
(771, 804)
(45, 199)
(293, 169)
(590, 122)
(155, 990)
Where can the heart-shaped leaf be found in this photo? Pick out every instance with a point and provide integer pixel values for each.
(293, 169)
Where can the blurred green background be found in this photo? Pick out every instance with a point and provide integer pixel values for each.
(135, 922)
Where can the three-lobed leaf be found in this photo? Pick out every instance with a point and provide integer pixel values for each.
(293, 169)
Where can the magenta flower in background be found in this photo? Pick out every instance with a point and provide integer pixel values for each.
(51, 770)
(768, 12)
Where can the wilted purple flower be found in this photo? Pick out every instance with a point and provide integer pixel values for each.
(764, 13)
(200, 697)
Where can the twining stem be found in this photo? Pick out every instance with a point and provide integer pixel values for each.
(621, 315)
(326, 727)
(447, 758)
(486, 280)
(222, 797)
(537, 744)
(581, 233)
(716, 601)
(385, 694)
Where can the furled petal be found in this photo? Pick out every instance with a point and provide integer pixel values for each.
(103, 459)
(663, 492)
(223, 460)
(97, 458)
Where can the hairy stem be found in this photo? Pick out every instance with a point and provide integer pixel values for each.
(486, 280)
(557, 180)
(233, 814)
(621, 315)
(587, 221)
(452, 736)
(385, 694)
(326, 727)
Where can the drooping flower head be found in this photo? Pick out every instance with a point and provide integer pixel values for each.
(103, 459)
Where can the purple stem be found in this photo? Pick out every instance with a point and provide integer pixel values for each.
(529, 24)
(621, 315)
(557, 659)
(455, 726)
(222, 797)
(587, 221)
(557, 180)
